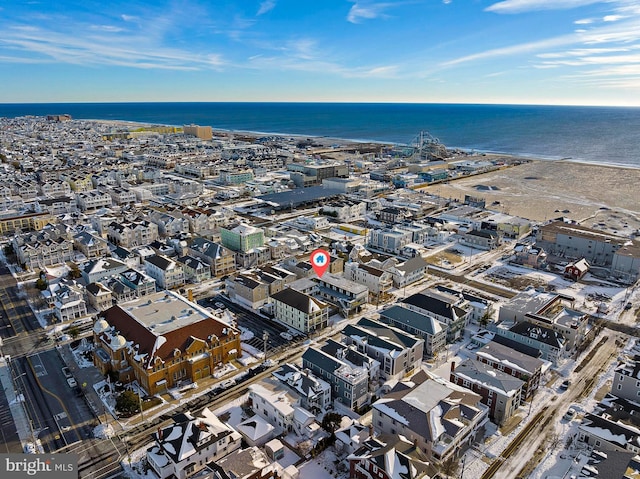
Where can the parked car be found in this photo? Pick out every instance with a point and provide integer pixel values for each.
(286, 335)
(570, 414)
(565, 384)
(67, 372)
(219, 305)
(72, 383)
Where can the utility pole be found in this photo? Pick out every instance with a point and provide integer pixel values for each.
(265, 338)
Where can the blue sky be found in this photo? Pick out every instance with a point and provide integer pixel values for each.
(584, 52)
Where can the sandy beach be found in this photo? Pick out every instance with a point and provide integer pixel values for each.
(606, 197)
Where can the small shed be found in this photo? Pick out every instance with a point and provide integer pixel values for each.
(274, 449)
(577, 270)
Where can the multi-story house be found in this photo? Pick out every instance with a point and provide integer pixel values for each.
(168, 273)
(248, 243)
(409, 272)
(377, 281)
(345, 210)
(399, 353)
(347, 296)
(195, 271)
(129, 234)
(389, 240)
(60, 205)
(66, 299)
(237, 176)
(169, 224)
(514, 363)
(347, 370)
(93, 200)
(383, 457)
(626, 379)
(138, 281)
(221, 260)
(162, 340)
(550, 344)
(300, 311)
(122, 196)
(102, 268)
(248, 290)
(442, 307)
(419, 324)
(55, 188)
(49, 247)
(314, 392)
(184, 448)
(99, 296)
(434, 414)
(278, 405)
(9, 224)
(91, 245)
(501, 392)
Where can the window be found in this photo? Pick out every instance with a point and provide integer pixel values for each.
(619, 386)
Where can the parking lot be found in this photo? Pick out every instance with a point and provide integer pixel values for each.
(255, 323)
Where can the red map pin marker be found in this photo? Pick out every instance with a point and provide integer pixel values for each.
(320, 261)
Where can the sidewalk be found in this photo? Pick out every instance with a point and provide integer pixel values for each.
(16, 405)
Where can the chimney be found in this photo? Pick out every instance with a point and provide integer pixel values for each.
(453, 366)
(159, 434)
(370, 431)
(190, 293)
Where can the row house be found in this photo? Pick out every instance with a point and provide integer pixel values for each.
(442, 307)
(519, 365)
(91, 245)
(614, 427)
(433, 333)
(550, 344)
(501, 392)
(93, 200)
(347, 370)
(275, 282)
(221, 260)
(195, 271)
(66, 299)
(399, 353)
(205, 221)
(436, 415)
(314, 393)
(60, 205)
(481, 239)
(27, 190)
(300, 311)
(132, 233)
(120, 291)
(247, 289)
(184, 448)
(162, 341)
(168, 273)
(377, 281)
(55, 188)
(78, 182)
(39, 251)
(122, 196)
(169, 224)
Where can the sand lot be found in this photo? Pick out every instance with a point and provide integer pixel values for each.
(601, 196)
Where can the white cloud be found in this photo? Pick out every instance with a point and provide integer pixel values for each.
(519, 6)
(266, 6)
(612, 18)
(584, 21)
(129, 18)
(367, 11)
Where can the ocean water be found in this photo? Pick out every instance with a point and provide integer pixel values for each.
(605, 135)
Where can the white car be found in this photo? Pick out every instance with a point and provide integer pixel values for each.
(286, 336)
(72, 382)
(570, 414)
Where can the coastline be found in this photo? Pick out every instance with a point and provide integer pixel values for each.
(594, 194)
